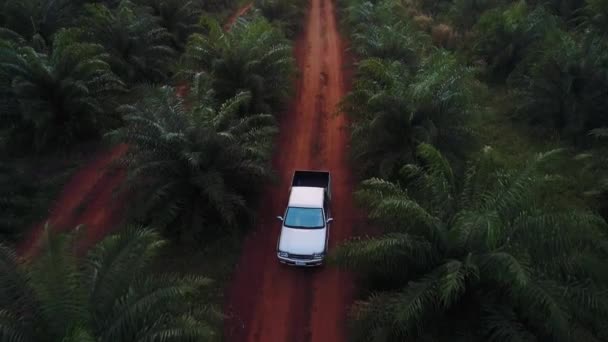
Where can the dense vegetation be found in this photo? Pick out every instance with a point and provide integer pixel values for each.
(196, 106)
(478, 130)
(109, 295)
(487, 232)
(82, 70)
(193, 169)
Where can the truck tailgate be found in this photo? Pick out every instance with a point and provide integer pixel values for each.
(315, 179)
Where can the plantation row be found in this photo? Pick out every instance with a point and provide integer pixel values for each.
(79, 74)
(69, 79)
(477, 236)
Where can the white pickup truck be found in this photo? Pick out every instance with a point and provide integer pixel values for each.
(305, 229)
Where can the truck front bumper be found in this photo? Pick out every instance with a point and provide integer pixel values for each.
(300, 262)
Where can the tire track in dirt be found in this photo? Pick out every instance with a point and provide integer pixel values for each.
(268, 301)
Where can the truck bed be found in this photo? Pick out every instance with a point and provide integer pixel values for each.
(314, 179)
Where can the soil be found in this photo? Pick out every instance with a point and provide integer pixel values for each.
(89, 198)
(236, 15)
(268, 301)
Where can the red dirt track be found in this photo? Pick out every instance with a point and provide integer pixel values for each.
(88, 198)
(236, 15)
(270, 302)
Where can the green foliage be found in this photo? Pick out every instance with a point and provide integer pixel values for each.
(179, 17)
(395, 107)
(486, 255)
(137, 46)
(253, 57)
(22, 198)
(63, 97)
(359, 14)
(284, 14)
(37, 19)
(503, 36)
(595, 15)
(399, 41)
(194, 171)
(111, 295)
(216, 6)
(564, 89)
(465, 13)
(406, 92)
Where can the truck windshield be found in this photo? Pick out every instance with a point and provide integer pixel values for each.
(304, 218)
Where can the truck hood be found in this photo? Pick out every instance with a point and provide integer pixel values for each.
(302, 241)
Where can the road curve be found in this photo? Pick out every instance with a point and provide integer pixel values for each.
(270, 302)
(89, 198)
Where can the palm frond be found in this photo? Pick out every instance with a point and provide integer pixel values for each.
(58, 285)
(387, 254)
(116, 262)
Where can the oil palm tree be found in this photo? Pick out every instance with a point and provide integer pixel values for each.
(385, 130)
(562, 89)
(24, 197)
(195, 169)
(482, 259)
(396, 106)
(504, 36)
(253, 57)
(110, 295)
(399, 41)
(285, 14)
(139, 48)
(64, 96)
(179, 17)
(359, 14)
(37, 19)
(595, 15)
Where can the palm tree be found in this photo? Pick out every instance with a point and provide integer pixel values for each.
(195, 170)
(399, 41)
(379, 33)
(285, 14)
(395, 107)
(486, 259)
(359, 14)
(385, 130)
(253, 57)
(139, 48)
(562, 89)
(179, 17)
(63, 96)
(110, 295)
(24, 197)
(503, 37)
(595, 15)
(37, 20)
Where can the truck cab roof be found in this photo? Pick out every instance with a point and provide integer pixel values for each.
(306, 197)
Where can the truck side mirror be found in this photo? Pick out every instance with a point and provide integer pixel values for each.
(329, 219)
(280, 218)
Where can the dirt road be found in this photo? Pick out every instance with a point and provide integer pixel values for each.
(240, 12)
(270, 302)
(88, 198)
